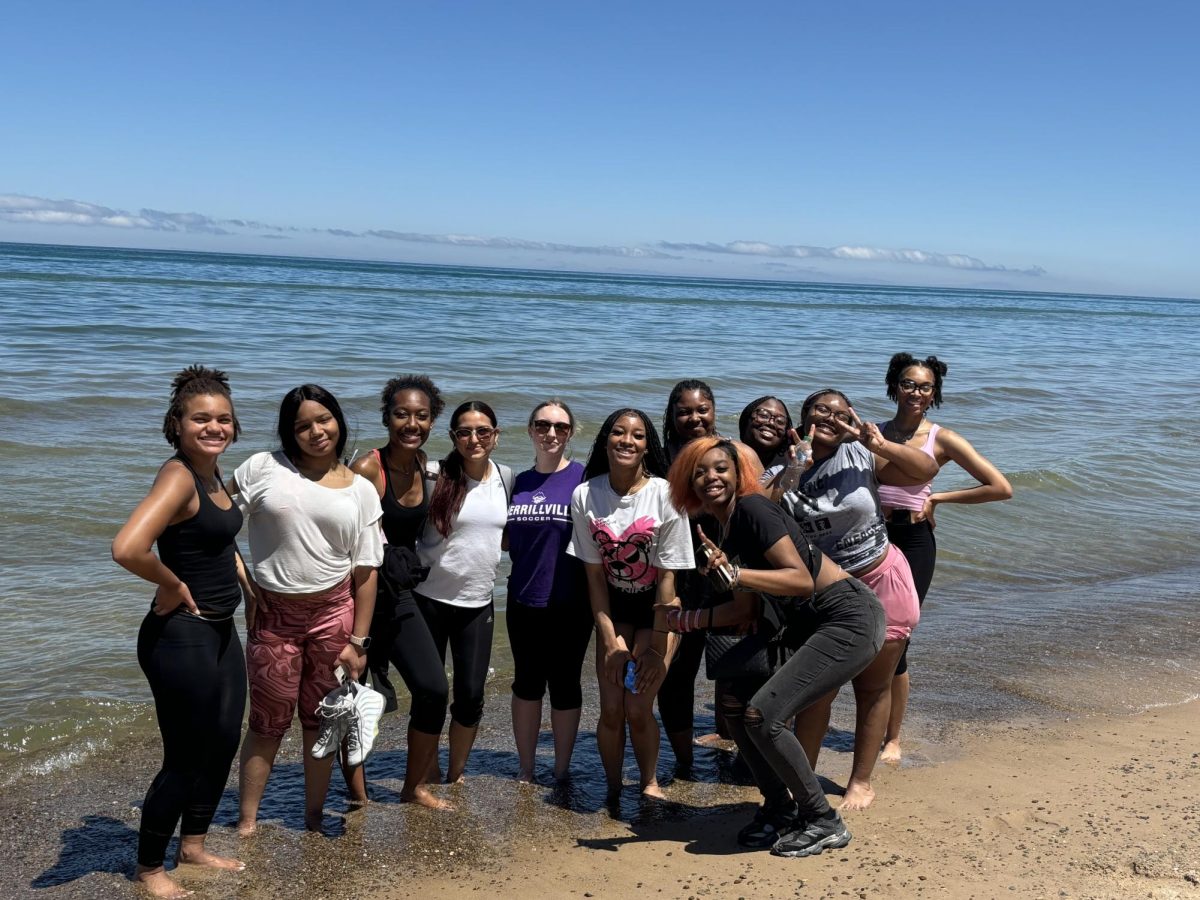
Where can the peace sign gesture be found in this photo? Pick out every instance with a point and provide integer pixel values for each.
(866, 433)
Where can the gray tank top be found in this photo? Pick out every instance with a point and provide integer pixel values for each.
(837, 506)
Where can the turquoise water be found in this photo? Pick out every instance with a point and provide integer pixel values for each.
(1082, 401)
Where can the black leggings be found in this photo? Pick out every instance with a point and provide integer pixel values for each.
(917, 543)
(197, 674)
(677, 695)
(468, 631)
(548, 646)
(843, 630)
(402, 638)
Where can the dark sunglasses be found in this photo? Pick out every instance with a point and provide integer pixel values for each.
(543, 426)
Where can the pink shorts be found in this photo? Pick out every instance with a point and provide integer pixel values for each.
(892, 583)
(291, 654)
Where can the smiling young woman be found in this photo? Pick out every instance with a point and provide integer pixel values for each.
(631, 539)
(315, 545)
(916, 386)
(187, 645)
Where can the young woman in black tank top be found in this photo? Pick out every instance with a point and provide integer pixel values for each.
(399, 634)
(188, 646)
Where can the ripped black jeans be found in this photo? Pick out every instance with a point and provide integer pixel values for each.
(836, 635)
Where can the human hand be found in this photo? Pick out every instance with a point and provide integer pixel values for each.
(714, 556)
(169, 599)
(926, 513)
(649, 670)
(615, 657)
(354, 659)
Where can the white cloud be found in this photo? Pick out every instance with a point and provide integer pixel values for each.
(39, 210)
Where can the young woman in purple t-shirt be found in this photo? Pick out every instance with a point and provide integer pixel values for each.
(548, 616)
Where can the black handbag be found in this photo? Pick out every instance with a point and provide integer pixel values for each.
(755, 654)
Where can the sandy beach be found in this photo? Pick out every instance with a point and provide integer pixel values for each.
(1101, 807)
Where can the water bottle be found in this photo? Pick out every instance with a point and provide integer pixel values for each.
(630, 677)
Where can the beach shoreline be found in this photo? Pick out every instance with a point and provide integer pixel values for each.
(1101, 806)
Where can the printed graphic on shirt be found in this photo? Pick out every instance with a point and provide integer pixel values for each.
(626, 557)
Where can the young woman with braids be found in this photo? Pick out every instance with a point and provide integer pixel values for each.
(691, 413)
(833, 622)
(916, 385)
(460, 544)
(631, 539)
(187, 645)
(837, 505)
(315, 545)
(399, 633)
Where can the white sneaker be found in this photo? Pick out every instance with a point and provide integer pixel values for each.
(336, 713)
(368, 709)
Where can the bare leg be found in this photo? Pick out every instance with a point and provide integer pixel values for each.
(356, 778)
(811, 725)
(422, 758)
(193, 852)
(317, 773)
(527, 722)
(891, 740)
(258, 756)
(157, 883)
(610, 729)
(462, 739)
(565, 725)
(643, 733)
(873, 700)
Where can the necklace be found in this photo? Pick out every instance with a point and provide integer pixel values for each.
(904, 437)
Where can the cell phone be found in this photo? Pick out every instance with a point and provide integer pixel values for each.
(722, 574)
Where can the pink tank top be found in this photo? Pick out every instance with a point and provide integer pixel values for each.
(914, 496)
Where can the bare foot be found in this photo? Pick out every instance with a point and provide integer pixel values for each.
(525, 777)
(711, 740)
(891, 753)
(157, 883)
(422, 797)
(201, 857)
(460, 778)
(858, 795)
(315, 822)
(653, 791)
(245, 829)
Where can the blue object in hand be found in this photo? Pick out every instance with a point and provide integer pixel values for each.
(630, 677)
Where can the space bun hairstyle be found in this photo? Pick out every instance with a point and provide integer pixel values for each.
(195, 381)
(902, 361)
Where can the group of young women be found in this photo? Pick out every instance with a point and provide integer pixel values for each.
(787, 562)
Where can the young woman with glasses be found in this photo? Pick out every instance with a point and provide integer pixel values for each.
(461, 544)
(631, 539)
(763, 426)
(548, 617)
(916, 385)
(837, 505)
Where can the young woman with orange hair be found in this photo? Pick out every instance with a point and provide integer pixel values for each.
(834, 623)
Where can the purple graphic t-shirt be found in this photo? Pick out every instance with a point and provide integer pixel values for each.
(632, 536)
(539, 528)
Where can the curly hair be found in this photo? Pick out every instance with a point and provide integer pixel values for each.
(411, 382)
(655, 460)
(450, 490)
(670, 437)
(746, 467)
(195, 381)
(902, 361)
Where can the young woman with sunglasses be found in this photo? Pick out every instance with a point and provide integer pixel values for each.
(461, 544)
(187, 644)
(691, 413)
(315, 545)
(548, 617)
(833, 623)
(837, 505)
(916, 385)
(399, 634)
(631, 539)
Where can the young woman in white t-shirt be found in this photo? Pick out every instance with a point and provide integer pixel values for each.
(461, 545)
(631, 539)
(315, 545)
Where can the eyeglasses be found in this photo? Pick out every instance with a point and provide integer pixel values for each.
(912, 387)
(483, 432)
(763, 416)
(826, 412)
(543, 426)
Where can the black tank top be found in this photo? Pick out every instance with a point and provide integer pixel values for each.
(201, 552)
(401, 524)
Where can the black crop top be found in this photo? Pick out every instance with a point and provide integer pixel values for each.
(401, 524)
(201, 551)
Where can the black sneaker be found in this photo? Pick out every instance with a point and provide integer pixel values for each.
(809, 839)
(767, 826)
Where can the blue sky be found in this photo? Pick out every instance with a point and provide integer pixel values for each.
(1030, 146)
